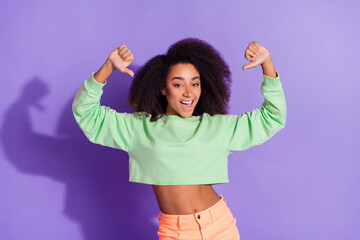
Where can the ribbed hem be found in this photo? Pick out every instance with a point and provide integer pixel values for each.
(94, 85)
(167, 182)
(272, 83)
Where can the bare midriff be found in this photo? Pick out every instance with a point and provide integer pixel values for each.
(185, 199)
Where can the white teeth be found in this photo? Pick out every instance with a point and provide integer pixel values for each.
(186, 102)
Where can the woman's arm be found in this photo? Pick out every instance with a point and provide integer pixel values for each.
(255, 127)
(101, 124)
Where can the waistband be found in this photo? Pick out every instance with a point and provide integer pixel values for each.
(207, 215)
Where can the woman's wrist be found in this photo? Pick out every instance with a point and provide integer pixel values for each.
(104, 72)
(268, 68)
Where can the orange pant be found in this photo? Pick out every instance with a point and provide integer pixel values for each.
(214, 223)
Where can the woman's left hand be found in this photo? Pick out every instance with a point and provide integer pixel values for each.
(256, 54)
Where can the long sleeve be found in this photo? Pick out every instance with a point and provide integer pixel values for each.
(255, 127)
(101, 124)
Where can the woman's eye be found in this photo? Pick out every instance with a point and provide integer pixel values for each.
(177, 85)
(196, 84)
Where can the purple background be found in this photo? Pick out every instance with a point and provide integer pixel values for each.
(301, 184)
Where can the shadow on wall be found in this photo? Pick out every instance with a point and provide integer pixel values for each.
(98, 194)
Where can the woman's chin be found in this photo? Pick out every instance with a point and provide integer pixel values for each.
(186, 115)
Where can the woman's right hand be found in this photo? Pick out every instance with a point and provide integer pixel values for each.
(120, 58)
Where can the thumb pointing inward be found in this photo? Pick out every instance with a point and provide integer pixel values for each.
(250, 65)
(128, 71)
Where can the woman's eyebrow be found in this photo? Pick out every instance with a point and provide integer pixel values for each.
(180, 78)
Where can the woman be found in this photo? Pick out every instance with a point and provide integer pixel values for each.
(179, 136)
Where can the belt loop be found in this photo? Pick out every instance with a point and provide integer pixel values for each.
(179, 226)
(212, 218)
(179, 222)
(159, 216)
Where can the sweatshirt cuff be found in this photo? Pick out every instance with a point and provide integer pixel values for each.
(93, 84)
(272, 83)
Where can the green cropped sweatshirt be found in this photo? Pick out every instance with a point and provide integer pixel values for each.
(175, 150)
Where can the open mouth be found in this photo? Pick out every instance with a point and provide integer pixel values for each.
(187, 104)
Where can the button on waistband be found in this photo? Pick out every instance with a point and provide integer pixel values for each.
(198, 216)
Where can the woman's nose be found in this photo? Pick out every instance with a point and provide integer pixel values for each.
(188, 92)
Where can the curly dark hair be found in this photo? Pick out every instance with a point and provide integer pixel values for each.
(145, 96)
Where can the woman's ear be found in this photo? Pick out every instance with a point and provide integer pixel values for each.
(163, 91)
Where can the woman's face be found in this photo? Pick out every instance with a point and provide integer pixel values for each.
(182, 87)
